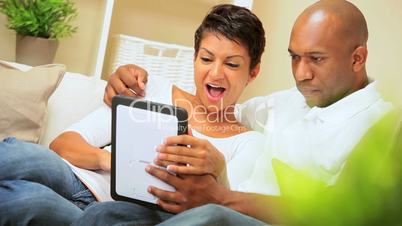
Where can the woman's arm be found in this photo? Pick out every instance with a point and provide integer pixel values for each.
(80, 143)
(73, 147)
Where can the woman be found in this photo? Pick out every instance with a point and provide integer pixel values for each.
(228, 48)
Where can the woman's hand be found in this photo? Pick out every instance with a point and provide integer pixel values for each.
(196, 157)
(75, 149)
(104, 160)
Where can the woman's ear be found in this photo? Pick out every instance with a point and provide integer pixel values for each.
(253, 73)
(359, 57)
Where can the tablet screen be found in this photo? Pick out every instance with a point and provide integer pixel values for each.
(136, 131)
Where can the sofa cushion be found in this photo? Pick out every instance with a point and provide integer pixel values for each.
(24, 97)
(76, 96)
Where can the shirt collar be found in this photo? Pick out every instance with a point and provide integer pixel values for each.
(346, 107)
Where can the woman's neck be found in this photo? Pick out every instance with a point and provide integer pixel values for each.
(215, 124)
(197, 109)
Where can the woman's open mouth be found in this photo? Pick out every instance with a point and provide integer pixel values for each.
(215, 92)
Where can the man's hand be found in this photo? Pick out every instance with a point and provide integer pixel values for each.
(127, 80)
(197, 190)
(191, 190)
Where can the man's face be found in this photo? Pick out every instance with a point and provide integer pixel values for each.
(321, 63)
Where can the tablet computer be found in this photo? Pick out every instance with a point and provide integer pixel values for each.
(138, 126)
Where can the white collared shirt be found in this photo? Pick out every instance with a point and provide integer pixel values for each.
(316, 140)
(240, 151)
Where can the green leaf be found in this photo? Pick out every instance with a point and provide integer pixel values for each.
(367, 191)
(40, 18)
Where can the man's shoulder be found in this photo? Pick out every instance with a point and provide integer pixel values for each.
(372, 97)
(291, 92)
(255, 112)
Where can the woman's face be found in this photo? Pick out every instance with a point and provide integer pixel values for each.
(222, 71)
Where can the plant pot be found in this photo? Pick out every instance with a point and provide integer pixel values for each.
(35, 51)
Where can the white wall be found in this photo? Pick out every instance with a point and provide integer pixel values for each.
(7, 41)
(176, 20)
(78, 53)
(173, 21)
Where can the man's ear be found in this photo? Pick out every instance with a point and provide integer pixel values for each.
(359, 57)
(253, 73)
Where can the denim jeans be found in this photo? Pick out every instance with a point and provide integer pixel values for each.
(24, 166)
(29, 203)
(211, 215)
(124, 213)
(120, 213)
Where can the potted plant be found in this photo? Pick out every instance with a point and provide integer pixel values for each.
(38, 24)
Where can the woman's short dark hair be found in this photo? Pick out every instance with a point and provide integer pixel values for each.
(235, 23)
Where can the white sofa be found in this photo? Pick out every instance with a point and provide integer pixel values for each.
(76, 96)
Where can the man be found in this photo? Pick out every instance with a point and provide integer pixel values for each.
(312, 128)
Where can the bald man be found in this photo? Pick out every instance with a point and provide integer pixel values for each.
(313, 127)
(329, 51)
